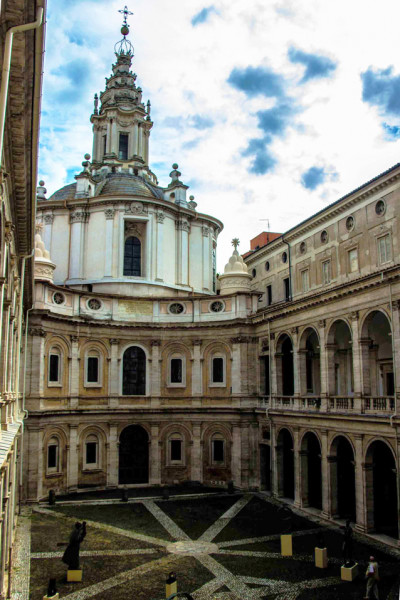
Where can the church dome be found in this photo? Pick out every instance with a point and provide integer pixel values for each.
(131, 185)
(65, 193)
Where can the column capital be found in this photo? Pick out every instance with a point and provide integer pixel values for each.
(74, 338)
(321, 323)
(155, 343)
(354, 315)
(114, 341)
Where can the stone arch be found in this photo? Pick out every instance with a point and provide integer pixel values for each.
(284, 453)
(100, 434)
(342, 477)
(311, 470)
(61, 346)
(176, 378)
(381, 497)
(91, 348)
(217, 354)
(217, 438)
(340, 359)
(56, 432)
(133, 455)
(176, 452)
(284, 365)
(310, 365)
(377, 355)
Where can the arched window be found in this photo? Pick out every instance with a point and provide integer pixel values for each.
(218, 370)
(134, 372)
(93, 368)
(53, 455)
(91, 457)
(55, 367)
(132, 257)
(175, 449)
(218, 449)
(177, 370)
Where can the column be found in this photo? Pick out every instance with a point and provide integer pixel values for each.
(297, 475)
(296, 362)
(206, 257)
(272, 358)
(197, 387)
(155, 456)
(72, 467)
(323, 365)
(182, 246)
(236, 366)
(41, 467)
(332, 476)
(359, 481)
(396, 345)
(245, 454)
(160, 246)
(254, 462)
(48, 226)
(114, 373)
(109, 215)
(74, 372)
(112, 456)
(274, 463)
(196, 455)
(326, 497)
(357, 367)
(135, 139)
(236, 455)
(365, 367)
(77, 220)
(330, 368)
(155, 376)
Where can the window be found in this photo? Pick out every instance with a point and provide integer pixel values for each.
(94, 304)
(305, 280)
(384, 249)
(353, 260)
(134, 372)
(350, 223)
(217, 449)
(286, 285)
(253, 273)
(53, 455)
(284, 257)
(92, 372)
(217, 369)
(324, 236)
(58, 298)
(54, 367)
(380, 208)
(217, 306)
(177, 375)
(267, 266)
(269, 295)
(104, 144)
(303, 248)
(132, 257)
(175, 449)
(326, 272)
(123, 146)
(91, 456)
(176, 308)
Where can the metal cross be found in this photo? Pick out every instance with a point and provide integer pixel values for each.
(125, 12)
(235, 243)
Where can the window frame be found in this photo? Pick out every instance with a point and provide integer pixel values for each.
(170, 383)
(269, 294)
(388, 246)
(126, 135)
(55, 351)
(211, 370)
(329, 270)
(96, 465)
(141, 257)
(173, 437)
(305, 272)
(93, 353)
(218, 437)
(56, 469)
(349, 262)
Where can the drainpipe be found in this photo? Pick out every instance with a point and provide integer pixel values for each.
(290, 269)
(5, 77)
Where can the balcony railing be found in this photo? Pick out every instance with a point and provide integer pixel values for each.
(333, 404)
(340, 404)
(378, 404)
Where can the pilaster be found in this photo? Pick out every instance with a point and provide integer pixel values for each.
(196, 455)
(155, 456)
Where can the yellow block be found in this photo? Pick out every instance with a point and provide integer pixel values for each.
(349, 573)
(75, 576)
(321, 558)
(286, 545)
(55, 597)
(171, 588)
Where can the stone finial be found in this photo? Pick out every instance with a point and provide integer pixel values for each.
(175, 174)
(96, 104)
(41, 191)
(148, 110)
(192, 204)
(235, 277)
(86, 163)
(235, 243)
(44, 267)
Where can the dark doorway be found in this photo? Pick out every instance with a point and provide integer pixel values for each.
(265, 467)
(384, 488)
(287, 367)
(134, 372)
(133, 455)
(346, 490)
(313, 464)
(285, 464)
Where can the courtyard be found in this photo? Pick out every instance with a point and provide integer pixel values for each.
(221, 546)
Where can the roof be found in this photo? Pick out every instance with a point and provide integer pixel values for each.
(65, 193)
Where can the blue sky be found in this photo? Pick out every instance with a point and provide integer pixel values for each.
(271, 109)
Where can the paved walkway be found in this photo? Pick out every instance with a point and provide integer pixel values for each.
(240, 588)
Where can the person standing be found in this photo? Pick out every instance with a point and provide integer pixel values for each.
(372, 576)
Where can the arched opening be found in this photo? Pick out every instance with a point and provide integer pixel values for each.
(284, 364)
(342, 477)
(133, 455)
(377, 356)
(134, 372)
(310, 370)
(265, 467)
(132, 257)
(381, 489)
(340, 360)
(285, 464)
(311, 477)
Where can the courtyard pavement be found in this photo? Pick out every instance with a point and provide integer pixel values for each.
(220, 558)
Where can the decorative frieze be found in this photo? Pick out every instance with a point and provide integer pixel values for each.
(160, 217)
(109, 213)
(136, 208)
(155, 343)
(182, 225)
(39, 331)
(114, 341)
(48, 219)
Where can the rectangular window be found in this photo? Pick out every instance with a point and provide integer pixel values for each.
(286, 285)
(176, 450)
(353, 260)
(305, 280)
(218, 370)
(54, 368)
(384, 249)
(91, 453)
(123, 146)
(218, 450)
(92, 369)
(104, 144)
(176, 370)
(269, 295)
(52, 457)
(326, 272)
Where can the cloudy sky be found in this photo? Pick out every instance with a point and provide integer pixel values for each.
(272, 108)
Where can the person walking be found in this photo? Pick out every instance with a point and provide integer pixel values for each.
(372, 576)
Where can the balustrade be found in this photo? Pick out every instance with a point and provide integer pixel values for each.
(378, 404)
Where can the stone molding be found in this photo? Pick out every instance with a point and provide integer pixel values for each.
(136, 208)
(109, 213)
(48, 219)
(205, 231)
(37, 331)
(182, 225)
(79, 217)
(160, 216)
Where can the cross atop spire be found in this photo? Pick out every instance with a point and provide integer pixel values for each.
(125, 12)
(235, 243)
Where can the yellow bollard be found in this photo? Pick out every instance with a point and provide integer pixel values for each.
(55, 597)
(74, 575)
(321, 558)
(286, 545)
(171, 585)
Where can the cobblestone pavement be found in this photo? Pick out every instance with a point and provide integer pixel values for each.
(223, 586)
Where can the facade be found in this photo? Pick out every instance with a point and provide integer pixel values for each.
(140, 373)
(21, 47)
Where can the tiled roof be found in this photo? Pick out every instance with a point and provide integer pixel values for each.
(65, 193)
(130, 185)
